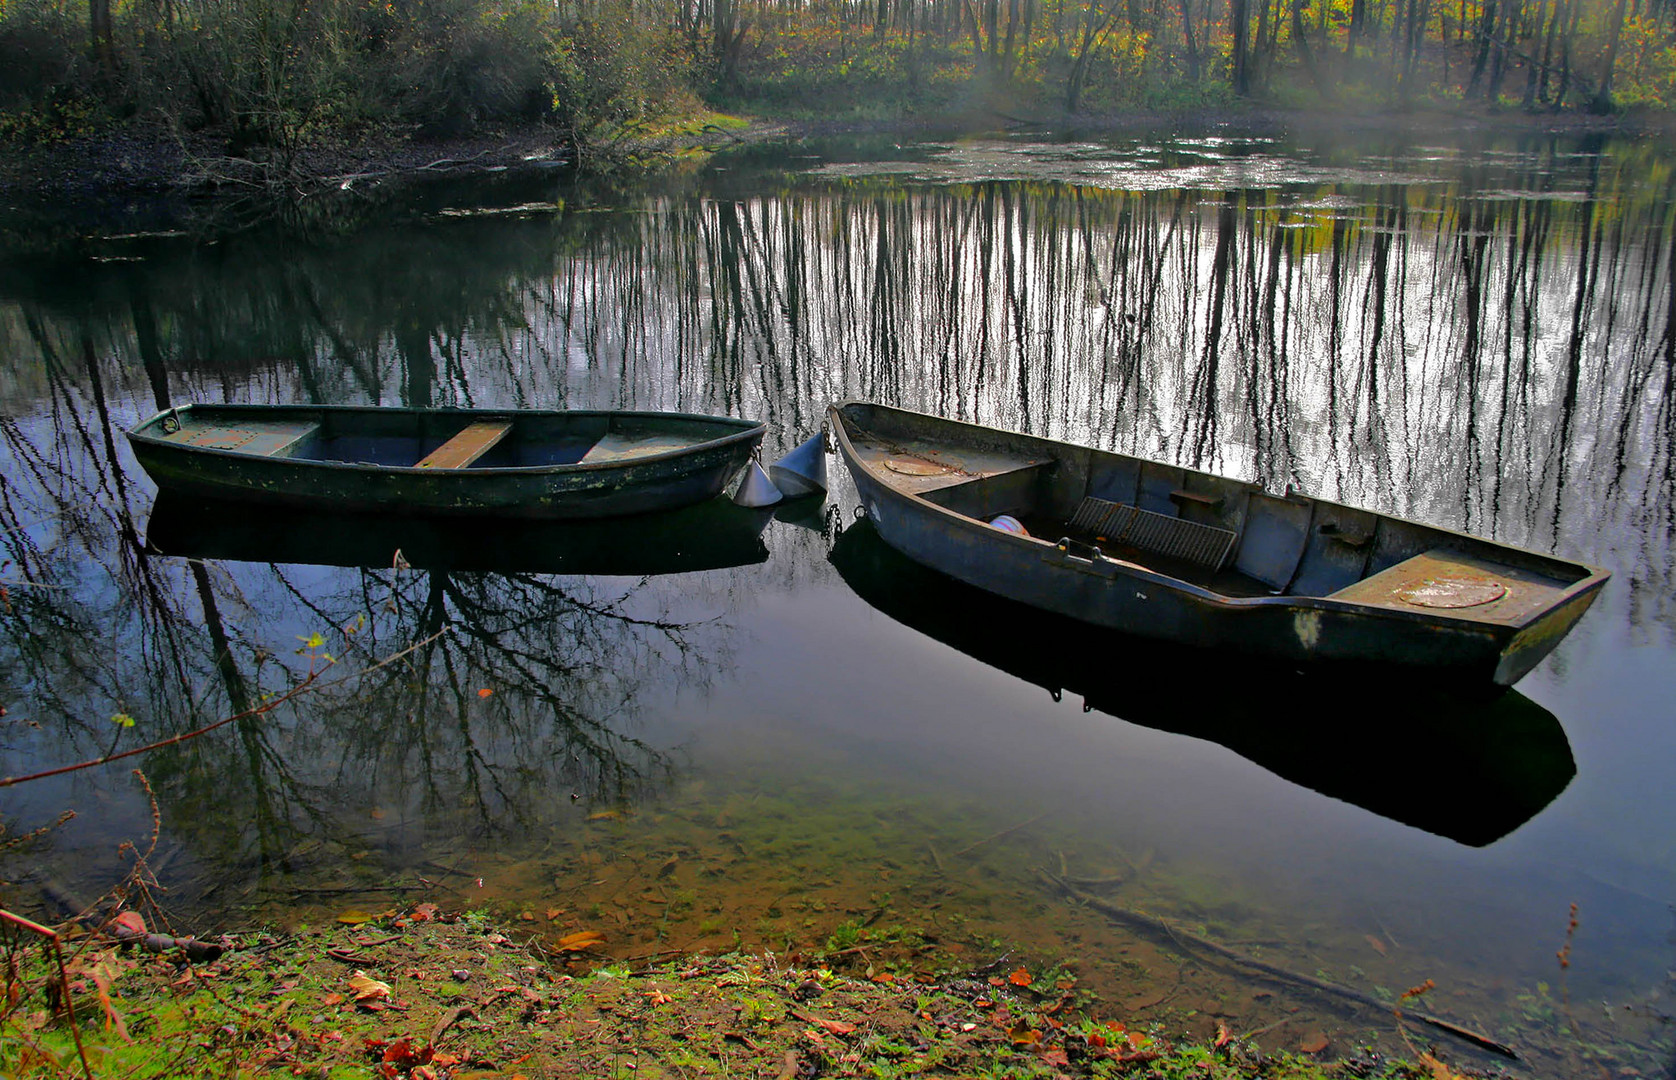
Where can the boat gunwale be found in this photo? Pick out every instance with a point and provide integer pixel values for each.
(1592, 578)
(748, 429)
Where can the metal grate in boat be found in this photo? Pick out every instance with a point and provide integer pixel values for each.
(1130, 526)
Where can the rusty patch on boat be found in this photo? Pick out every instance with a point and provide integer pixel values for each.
(1452, 592)
(913, 466)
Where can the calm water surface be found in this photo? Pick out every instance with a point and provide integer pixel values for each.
(725, 729)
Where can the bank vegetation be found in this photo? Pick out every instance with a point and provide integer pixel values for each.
(263, 80)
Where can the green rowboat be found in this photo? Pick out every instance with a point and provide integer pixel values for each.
(508, 463)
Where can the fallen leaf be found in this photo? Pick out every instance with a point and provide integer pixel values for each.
(579, 941)
(1223, 1038)
(424, 912)
(658, 997)
(1022, 1034)
(996, 980)
(131, 921)
(1378, 946)
(553, 913)
(355, 917)
(332, 999)
(1438, 1069)
(1313, 1043)
(1056, 1057)
(368, 989)
(1021, 977)
(485, 692)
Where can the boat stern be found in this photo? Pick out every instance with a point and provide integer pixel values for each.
(1526, 648)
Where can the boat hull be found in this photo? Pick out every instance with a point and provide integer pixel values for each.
(1124, 595)
(567, 490)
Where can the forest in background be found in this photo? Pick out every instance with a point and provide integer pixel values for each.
(266, 78)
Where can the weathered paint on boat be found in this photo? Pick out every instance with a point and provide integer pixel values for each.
(1300, 578)
(519, 463)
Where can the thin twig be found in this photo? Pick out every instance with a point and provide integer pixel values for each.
(308, 685)
(1188, 942)
(56, 943)
(975, 845)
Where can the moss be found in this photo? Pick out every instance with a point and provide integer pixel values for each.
(365, 1001)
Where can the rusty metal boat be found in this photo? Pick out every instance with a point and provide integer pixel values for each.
(1187, 556)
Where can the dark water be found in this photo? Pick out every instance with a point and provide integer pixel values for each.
(781, 735)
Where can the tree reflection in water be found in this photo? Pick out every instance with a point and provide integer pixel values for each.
(1481, 337)
(521, 694)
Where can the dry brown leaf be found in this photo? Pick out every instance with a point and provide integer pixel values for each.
(355, 917)
(1378, 946)
(1021, 977)
(1438, 1069)
(579, 941)
(1314, 1043)
(369, 989)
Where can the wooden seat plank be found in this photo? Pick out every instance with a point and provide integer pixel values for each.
(466, 447)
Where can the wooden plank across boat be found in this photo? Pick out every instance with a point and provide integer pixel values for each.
(521, 463)
(1187, 556)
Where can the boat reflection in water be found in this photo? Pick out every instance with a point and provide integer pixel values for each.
(712, 535)
(1468, 763)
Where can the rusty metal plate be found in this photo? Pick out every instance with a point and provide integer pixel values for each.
(1461, 591)
(911, 466)
(220, 438)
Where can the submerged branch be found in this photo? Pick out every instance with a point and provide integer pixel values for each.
(1189, 941)
(311, 683)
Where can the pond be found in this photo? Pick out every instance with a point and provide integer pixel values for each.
(725, 730)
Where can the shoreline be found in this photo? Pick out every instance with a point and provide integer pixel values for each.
(431, 995)
(139, 178)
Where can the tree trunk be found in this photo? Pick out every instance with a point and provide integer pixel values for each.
(1300, 38)
(1602, 102)
(99, 25)
(1187, 33)
(1239, 21)
(1486, 30)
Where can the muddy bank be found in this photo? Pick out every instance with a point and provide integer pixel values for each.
(430, 995)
